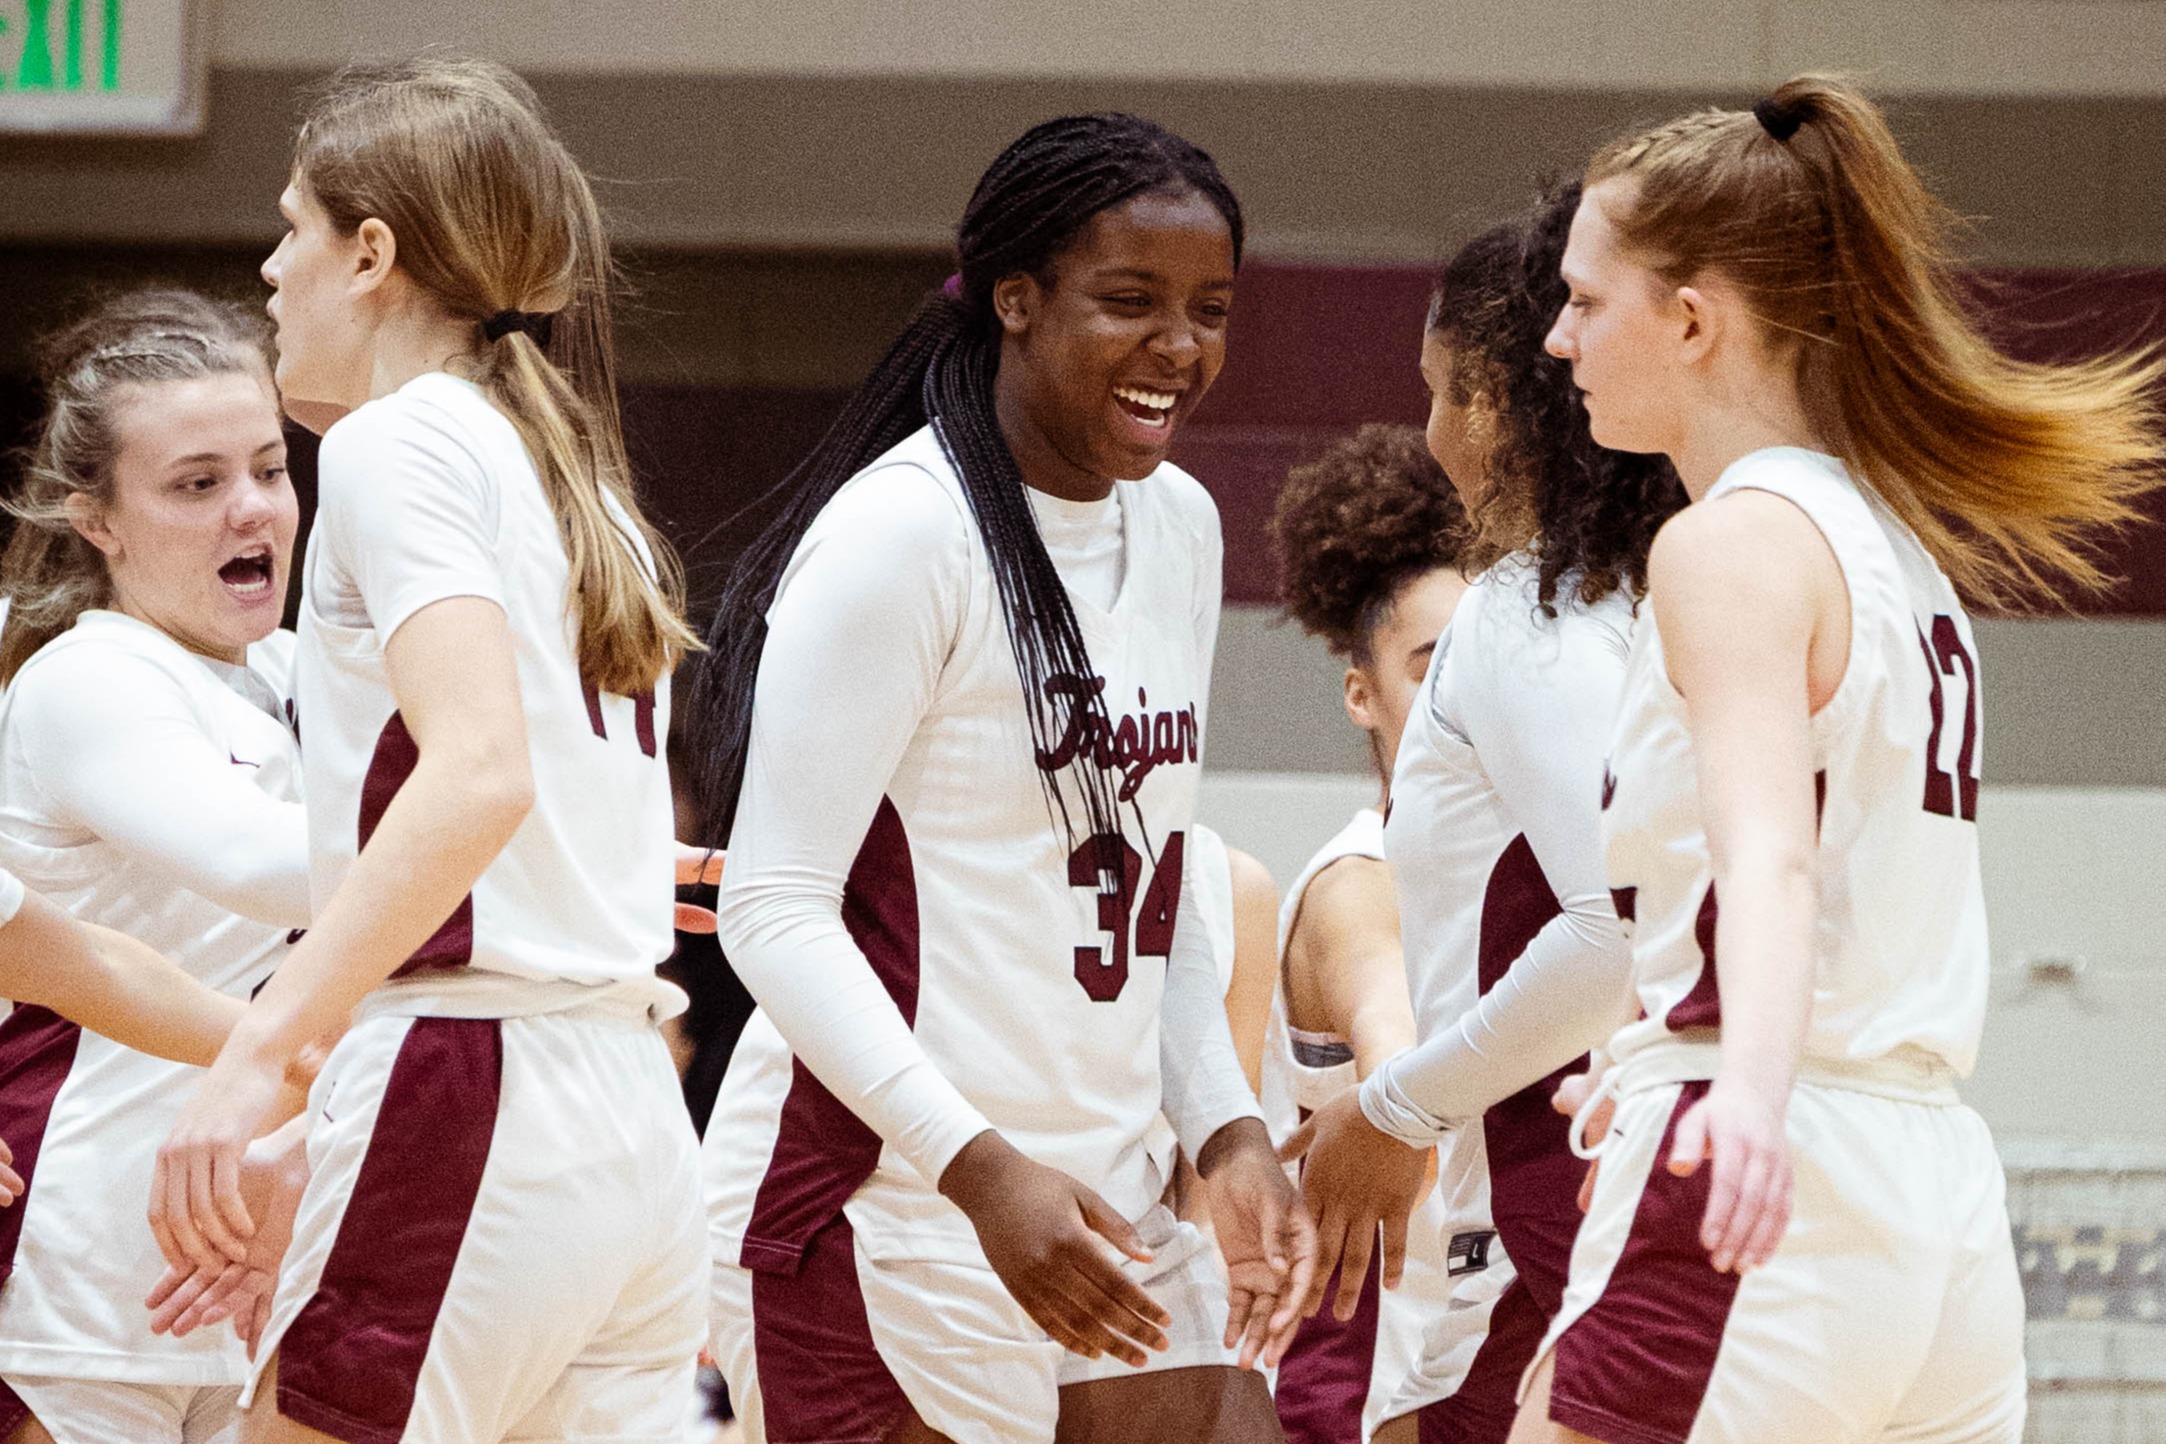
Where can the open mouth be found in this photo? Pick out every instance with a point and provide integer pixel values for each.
(1152, 408)
(248, 576)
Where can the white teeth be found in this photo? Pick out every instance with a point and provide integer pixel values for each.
(1156, 400)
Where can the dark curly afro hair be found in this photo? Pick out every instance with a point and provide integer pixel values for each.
(1356, 525)
(1589, 513)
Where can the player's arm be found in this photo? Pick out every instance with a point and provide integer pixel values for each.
(111, 984)
(452, 673)
(116, 747)
(1744, 589)
(1345, 971)
(1540, 715)
(1263, 1232)
(1255, 962)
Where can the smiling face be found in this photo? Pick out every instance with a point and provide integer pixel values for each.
(1622, 329)
(317, 305)
(1100, 365)
(198, 535)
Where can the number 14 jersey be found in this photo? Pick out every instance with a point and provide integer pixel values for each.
(1899, 946)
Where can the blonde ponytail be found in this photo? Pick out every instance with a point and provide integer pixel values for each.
(493, 215)
(2008, 471)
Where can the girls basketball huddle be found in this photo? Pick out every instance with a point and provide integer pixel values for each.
(1655, 634)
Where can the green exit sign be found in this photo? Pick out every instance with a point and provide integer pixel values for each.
(102, 65)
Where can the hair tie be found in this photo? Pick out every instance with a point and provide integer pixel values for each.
(1778, 119)
(535, 323)
(952, 287)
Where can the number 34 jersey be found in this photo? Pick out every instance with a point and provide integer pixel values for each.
(1899, 946)
(895, 817)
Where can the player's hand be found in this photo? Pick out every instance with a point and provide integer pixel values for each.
(11, 1182)
(274, 1171)
(1743, 1132)
(1264, 1235)
(197, 1214)
(697, 867)
(1358, 1180)
(1041, 1232)
(1571, 1096)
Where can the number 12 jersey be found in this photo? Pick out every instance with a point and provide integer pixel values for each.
(1899, 948)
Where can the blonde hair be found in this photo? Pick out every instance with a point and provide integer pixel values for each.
(2007, 470)
(49, 573)
(491, 214)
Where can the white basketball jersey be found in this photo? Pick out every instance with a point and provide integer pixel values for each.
(156, 792)
(1900, 964)
(1472, 892)
(1303, 1070)
(1029, 974)
(428, 494)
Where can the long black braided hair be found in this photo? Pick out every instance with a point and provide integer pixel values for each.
(1028, 207)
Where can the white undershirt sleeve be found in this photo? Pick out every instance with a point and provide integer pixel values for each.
(857, 637)
(1204, 1086)
(1540, 717)
(117, 749)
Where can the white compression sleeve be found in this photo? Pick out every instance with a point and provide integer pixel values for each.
(1205, 1088)
(1539, 712)
(115, 744)
(873, 598)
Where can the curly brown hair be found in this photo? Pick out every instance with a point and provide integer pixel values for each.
(1354, 526)
(1588, 513)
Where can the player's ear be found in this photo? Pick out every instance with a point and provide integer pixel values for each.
(88, 519)
(1361, 698)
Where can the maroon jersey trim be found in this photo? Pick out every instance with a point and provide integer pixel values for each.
(1702, 1006)
(1481, 1409)
(351, 1361)
(1533, 1177)
(823, 1151)
(37, 1049)
(821, 1377)
(1324, 1379)
(1635, 1367)
(393, 761)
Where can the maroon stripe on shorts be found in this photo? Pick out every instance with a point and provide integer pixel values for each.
(13, 1411)
(1481, 1410)
(37, 1048)
(1702, 1007)
(821, 1377)
(823, 1151)
(1634, 1368)
(394, 760)
(1533, 1177)
(351, 1361)
(1323, 1383)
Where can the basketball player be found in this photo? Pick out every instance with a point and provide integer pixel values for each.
(1797, 1231)
(956, 886)
(1369, 537)
(149, 782)
(501, 1234)
(1517, 964)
